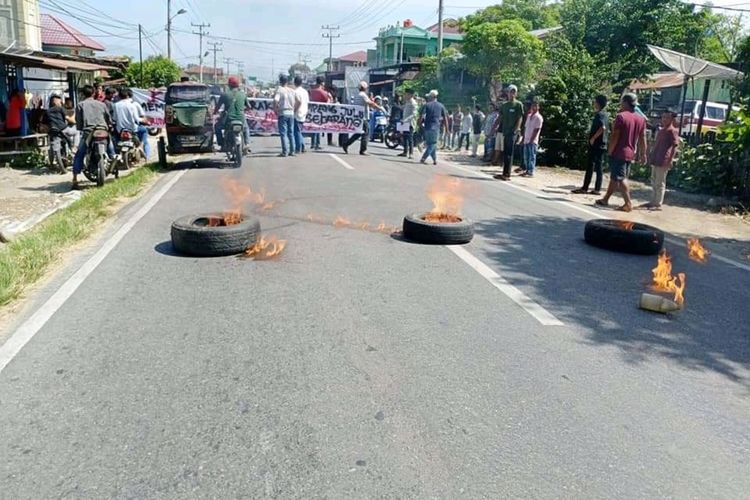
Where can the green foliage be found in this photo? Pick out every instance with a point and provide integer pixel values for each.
(533, 14)
(721, 168)
(742, 88)
(32, 160)
(619, 30)
(502, 52)
(158, 71)
(566, 96)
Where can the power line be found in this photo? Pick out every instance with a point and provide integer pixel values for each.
(200, 34)
(388, 8)
(330, 37)
(266, 42)
(357, 13)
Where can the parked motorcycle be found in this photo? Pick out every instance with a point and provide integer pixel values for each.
(381, 124)
(96, 163)
(129, 147)
(61, 157)
(393, 138)
(233, 141)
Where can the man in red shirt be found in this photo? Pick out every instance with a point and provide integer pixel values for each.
(665, 147)
(318, 94)
(628, 139)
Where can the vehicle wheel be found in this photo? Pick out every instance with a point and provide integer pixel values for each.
(154, 131)
(392, 141)
(161, 148)
(125, 161)
(58, 162)
(451, 233)
(101, 173)
(192, 235)
(618, 236)
(238, 155)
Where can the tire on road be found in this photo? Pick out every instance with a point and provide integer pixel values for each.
(191, 235)
(417, 229)
(611, 234)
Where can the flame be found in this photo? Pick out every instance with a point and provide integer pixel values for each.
(446, 194)
(342, 222)
(625, 224)
(696, 251)
(240, 194)
(266, 248)
(441, 217)
(665, 282)
(232, 217)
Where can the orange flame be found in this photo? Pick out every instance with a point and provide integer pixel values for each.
(696, 251)
(446, 194)
(441, 217)
(266, 248)
(240, 194)
(341, 222)
(665, 282)
(232, 217)
(625, 224)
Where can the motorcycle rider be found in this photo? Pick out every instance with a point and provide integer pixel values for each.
(90, 114)
(129, 115)
(374, 117)
(232, 103)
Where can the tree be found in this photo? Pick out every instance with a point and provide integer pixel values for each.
(158, 71)
(533, 14)
(502, 52)
(742, 88)
(570, 79)
(619, 30)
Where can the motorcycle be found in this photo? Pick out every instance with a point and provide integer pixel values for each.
(96, 163)
(129, 147)
(393, 138)
(233, 142)
(61, 157)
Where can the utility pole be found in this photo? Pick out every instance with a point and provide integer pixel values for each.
(440, 27)
(228, 61)
(200, 34)
(215, 47)
(140, 51)
(330, 37)
(273, 69)
(240, 70)
(169, 29)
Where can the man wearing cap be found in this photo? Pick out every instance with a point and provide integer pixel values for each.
(233, 102)
(362, 99)
(628, 138)
(511, 117)
(434, 116)
(409, 117)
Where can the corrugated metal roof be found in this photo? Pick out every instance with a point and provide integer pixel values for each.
(360, 56)
(57, 33)
(659, 81)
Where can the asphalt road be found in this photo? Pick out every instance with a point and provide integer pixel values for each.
(361, 366)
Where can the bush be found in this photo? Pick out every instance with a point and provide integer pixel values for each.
(31, 160)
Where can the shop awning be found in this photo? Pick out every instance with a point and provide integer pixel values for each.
(40, 61)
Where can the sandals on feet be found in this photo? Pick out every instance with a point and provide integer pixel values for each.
(579, 191)
(601, 203)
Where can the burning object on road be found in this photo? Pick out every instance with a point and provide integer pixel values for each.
(664, 281)
(443, 225)
(624, 236)
(696, 251)
(214, 234)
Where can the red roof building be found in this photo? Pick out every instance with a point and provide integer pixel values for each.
(63, 38)
(450, 27)
(359, 57)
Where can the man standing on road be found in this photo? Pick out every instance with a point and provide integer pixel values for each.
(300, 114)
(489, 133)
(628, 138)
(318, 94)
(477, 122)
(531, 133)
(511, 114)
(285, 102)
(665, 147)
(128, 115)
(362, 99)
(598, 139)
(409, 118)
(90, 114)
(434, 115)
(456, 120)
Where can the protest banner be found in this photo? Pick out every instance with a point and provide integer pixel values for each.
(321, 117)
(152, 102)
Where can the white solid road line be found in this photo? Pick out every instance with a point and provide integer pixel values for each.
(538, 312)
(586, 211)
(31, 326)
(342, 162)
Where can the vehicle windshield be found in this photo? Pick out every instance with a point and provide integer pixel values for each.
(185, 93)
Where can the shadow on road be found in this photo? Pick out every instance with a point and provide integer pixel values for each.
(599, 290)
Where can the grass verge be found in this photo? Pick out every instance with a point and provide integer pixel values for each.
(25, 259)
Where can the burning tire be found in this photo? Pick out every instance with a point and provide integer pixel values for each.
(455, 231)
(209, 235)
(624, 236)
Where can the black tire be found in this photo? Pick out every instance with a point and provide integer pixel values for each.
(192, 236)
(238, 154)
(154, 131)
(101, 173)
(125, 161)
(392, 140)
(610, 234)
(161, 148)
(420, 231)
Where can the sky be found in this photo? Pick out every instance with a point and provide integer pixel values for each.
(266, 35)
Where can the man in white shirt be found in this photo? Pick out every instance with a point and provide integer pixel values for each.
(129, 115)
(531, 133)
(300, 114)
(285, 103)
(362, 99)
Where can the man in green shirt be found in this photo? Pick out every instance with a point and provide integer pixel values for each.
(233, 103)
(511, 116)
